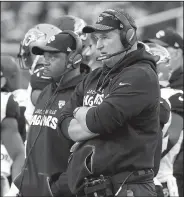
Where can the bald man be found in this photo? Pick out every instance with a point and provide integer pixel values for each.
(11, 72)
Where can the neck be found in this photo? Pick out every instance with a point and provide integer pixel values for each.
(95, 64)
(164, 83)
(68, 76)
(114, 59)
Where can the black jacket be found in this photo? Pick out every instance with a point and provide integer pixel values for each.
(176, 80)
(49, 151)
(126, 116)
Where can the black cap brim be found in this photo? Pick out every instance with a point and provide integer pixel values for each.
(40, 50)
(96, 27)
(157, 41)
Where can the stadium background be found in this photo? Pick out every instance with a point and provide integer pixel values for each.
(18, 17)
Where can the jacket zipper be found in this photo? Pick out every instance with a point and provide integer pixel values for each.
(48, 179)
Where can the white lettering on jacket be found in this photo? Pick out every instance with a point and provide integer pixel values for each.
(44, 120)
(93, 99)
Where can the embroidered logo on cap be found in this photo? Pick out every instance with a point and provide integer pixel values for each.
(100, 18)
(68, 49)
(160, 34)
(51, 39)
(121, 26)
(176, 44)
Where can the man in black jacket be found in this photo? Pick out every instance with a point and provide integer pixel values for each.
(113, 115)
(170, 39)
(47, 153)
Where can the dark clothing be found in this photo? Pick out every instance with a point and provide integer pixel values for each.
(12, 109)
(176, 101)
(49, 152)
(176, 80)
(38, 81)
(164, 112)
(178, 171)
(22, 123)
(164, 118)
(126, 116)
(137, 184)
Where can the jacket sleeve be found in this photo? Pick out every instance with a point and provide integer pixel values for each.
(58, 182)
(75, 101)
(12, 110)
(135, 90)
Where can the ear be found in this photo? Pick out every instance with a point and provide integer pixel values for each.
(179, 53)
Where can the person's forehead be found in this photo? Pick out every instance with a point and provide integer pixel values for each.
(48, 53)
(99, 33)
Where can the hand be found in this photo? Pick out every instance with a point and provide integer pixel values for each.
(13, 191)
(5, 187)
(172, 186)
(80, 112)
(157, 182)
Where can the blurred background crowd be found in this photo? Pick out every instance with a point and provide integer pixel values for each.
(18, 17)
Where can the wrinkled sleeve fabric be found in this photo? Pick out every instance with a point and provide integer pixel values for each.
(12, 110)
(75, 101)
(132, 92)
(164, 111)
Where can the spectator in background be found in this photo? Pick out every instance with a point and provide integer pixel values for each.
(162, 59)
(39, 34)
(53, 11)
(12, 147)
(11, 73)
(174, 43)
(89, 51)
(91, 54)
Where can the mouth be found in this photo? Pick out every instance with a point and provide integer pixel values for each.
(46, 70)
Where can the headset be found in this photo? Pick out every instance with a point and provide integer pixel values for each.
(127, 32)
(74, 57)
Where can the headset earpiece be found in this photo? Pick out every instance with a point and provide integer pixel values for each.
(127, 31)
(74, 57)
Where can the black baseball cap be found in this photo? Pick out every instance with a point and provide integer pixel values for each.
(61, 42)
(105, 22)
(168, 38)
(108, 22)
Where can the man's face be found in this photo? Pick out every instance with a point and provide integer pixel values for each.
(54, 64)
(90, 52)
(175, 58)
(164, 71)
(108, 43)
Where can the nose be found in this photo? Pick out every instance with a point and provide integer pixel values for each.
(46, 62)
(99, 45)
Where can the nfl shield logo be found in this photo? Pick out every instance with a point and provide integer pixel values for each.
(100, 18)
(61, 104)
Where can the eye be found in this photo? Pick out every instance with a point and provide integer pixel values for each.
(83, 36)
(96, 38)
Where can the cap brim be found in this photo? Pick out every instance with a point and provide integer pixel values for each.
(96, 27)
(39, 50)
(157, 41)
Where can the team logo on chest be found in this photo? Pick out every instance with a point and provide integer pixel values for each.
(61, 104)
(93, 98)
